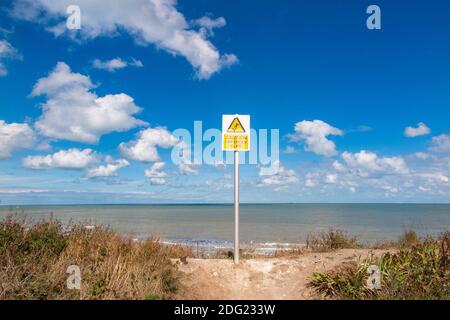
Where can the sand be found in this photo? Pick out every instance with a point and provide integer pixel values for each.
(261, 278)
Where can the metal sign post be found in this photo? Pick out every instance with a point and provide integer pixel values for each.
(236, 137)
(236, 207)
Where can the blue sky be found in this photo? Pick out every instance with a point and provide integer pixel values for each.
(341, 95)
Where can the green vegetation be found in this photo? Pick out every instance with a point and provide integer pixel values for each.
(34, 262)
(331, 240)
(34, 259)
(420, 269)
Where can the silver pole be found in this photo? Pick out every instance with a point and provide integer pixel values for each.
(236, 207)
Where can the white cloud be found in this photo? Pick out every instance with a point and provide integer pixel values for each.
(312, 179)
(219, 164)
(108, 170)
(72, 112)
(376, 176)
(282, 176)
(64, 159)
(7, 51)
(310, 183)
(189, 169)
(289, 150)
(392, 176)
(156, 22)
(144, 148)
(136, 63)
(441, 143)
(116, 64)
(421, 130)
(215, 185)
(156, 174)
(314, 134)
(110, 65)
(434, 176)
(331, 178)
(14, 136)
(21, 191)
(368, 162)
(208, 24)
(390, 189)
(424, 189)
(339, 167)
(61, 79)
(422, 155)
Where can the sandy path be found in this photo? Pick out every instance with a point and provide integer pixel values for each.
(262, 278)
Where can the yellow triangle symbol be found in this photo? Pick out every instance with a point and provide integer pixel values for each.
(236, 126)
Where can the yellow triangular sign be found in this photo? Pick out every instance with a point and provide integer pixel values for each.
(236, 126)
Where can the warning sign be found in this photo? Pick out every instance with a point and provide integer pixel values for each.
(236, 126)
(236, 132)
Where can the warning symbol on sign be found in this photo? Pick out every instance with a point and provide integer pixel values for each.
(236, 126)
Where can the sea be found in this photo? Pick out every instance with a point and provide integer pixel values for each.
(264, 226)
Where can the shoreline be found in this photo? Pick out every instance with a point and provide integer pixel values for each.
(212, 247)
(211, 225)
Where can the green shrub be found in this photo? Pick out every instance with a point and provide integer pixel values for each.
(421, 271)
(46, 236)
(11, 233)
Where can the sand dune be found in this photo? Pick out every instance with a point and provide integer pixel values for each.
(261, 278)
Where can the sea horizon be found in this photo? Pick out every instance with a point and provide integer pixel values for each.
(215, 203)
(263, 225)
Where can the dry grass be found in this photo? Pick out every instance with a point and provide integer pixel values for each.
(331, 240)
(34, 261)
(408, 239)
